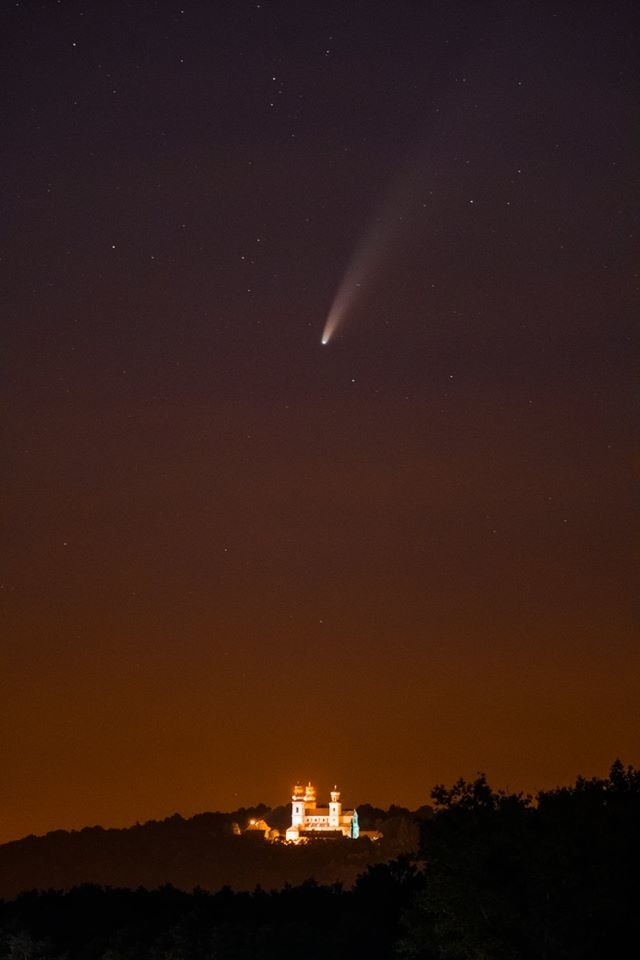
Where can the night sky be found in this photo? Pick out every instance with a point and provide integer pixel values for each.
(233, 557)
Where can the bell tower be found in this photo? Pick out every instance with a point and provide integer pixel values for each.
(335, 809)
(297, 806)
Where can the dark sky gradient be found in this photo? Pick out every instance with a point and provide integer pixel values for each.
(235, 558)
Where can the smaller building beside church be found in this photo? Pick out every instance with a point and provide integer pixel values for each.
(309, 821)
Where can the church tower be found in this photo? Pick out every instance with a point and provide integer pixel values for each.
(335, 809)
(297, 806)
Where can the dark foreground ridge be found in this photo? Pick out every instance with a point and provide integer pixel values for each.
(494, 876)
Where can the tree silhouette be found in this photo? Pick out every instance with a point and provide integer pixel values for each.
(508, 878)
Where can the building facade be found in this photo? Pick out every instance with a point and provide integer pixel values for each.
(309, 821)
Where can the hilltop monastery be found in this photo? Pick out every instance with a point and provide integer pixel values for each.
(308, 820)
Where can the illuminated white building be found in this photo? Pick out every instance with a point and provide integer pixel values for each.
(311, 821)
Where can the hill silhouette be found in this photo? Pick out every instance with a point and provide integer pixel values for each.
(202, 851)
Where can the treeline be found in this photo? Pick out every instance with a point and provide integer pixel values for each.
(310, 921)
(495, 876)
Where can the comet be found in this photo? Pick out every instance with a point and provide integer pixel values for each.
(399, 216)
(363, 263)
(374, 247)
